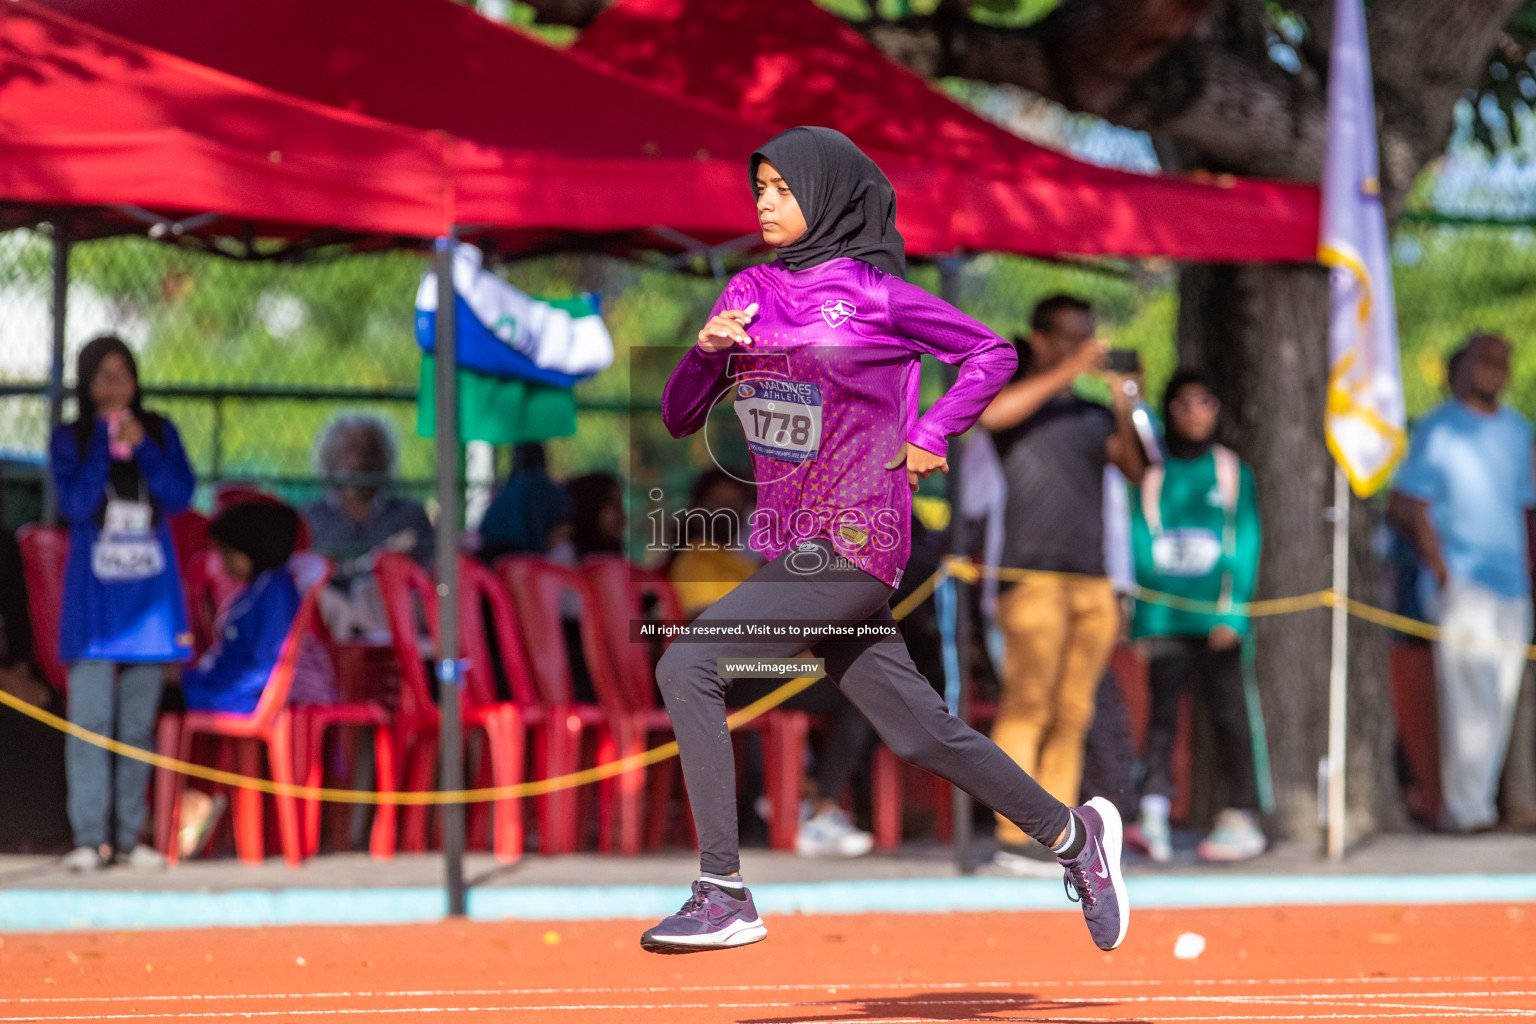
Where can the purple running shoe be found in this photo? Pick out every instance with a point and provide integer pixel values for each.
(711, 919)
(1095, 876)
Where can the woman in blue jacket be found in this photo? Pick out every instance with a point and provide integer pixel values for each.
(119, 473)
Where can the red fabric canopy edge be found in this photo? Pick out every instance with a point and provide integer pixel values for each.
(88, 119)
(804, 66)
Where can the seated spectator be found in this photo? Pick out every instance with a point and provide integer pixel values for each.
(255, 541)
(359, 517)
(597, 514)
(531, 514)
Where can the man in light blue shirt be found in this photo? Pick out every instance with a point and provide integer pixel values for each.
(1463, 497)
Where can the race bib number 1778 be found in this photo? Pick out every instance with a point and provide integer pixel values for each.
(782, 418)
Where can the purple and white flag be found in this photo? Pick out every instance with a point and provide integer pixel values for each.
(1365, 417)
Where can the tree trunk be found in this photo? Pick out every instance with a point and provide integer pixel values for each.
(1260, 332)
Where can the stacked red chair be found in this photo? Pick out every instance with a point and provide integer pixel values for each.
(620, 590)
(536, 585)
(410, 602)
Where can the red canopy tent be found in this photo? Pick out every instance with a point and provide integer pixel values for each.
(102, 131)
(98, 131)
(558, 147)
(557, 143)
(804, 66)
(438, 64)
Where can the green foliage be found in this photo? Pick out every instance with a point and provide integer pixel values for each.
(523, 16)
(1004, 13)
(1012, 13)
(1455, 281)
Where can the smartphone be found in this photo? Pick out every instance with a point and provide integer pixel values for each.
(115, 448)
(1123, 361)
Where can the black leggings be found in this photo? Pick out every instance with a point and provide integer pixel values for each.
(877, 675)
(1177, 663)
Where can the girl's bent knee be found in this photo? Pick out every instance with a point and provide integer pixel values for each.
(675, 669)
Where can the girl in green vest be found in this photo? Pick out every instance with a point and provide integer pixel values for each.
(1195, 533)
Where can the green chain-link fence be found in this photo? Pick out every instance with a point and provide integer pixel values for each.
(253, 359)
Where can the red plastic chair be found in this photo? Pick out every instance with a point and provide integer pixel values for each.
(483, 593)
(403, 586)
(313, 722)
(44, 552)
(620, 590)
(208, 589)
(1416, 703)
(189, 535)
(536, 585)
(271, 725)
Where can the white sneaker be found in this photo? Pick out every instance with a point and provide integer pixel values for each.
(831, 834)
(1021, 866)
(83, 859)
(764, 808)
(143, 858)
(1237, 836)
(1158, 837)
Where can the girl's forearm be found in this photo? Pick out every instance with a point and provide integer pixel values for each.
(692, 389)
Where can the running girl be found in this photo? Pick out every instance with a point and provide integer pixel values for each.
(819, 351)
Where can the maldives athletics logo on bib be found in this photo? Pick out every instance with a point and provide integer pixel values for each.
(835, 311)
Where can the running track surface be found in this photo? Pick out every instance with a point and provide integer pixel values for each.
(1432, 963)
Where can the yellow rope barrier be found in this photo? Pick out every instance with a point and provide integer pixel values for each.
(355, 796)
(962, 569)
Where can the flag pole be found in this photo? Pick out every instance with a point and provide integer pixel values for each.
(449, 669)
(1338, 676)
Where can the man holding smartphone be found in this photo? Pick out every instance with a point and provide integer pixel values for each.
(1061, 621)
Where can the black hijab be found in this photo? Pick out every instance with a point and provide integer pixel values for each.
(1179, 446)
(849, 205)
(263, 531)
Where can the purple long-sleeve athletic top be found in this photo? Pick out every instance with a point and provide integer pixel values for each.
(856, 333)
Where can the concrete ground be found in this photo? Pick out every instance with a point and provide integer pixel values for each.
(1394, 855)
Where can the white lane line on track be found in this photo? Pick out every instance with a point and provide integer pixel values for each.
(1437, 1015)
(1001, 1003)
(253, 1014)
(793, 987)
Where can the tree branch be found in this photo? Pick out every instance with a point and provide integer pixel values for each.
(1085, 54)
(1421, 74)
(1209, 84)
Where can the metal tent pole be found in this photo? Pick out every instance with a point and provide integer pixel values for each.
(449, 669)
(1338, 676)
(960, 801)
(56, 367)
